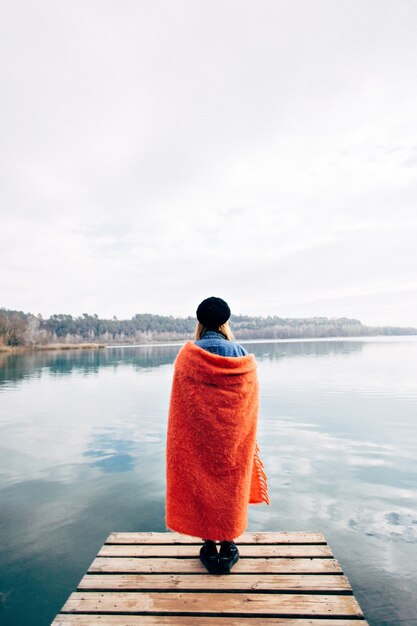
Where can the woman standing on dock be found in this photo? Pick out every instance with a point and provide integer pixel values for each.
(213, 467)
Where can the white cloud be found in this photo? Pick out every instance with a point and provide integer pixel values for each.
(155, 153)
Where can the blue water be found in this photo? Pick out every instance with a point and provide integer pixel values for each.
(82, 443)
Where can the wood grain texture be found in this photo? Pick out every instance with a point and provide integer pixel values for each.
(261, 537)
(186, 551)
(233, 582)
(73, 619)
(286, 605)
(151, 579)
(194, 566)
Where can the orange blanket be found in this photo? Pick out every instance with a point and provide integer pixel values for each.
(213, 467)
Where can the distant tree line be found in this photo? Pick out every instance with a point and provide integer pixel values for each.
(25, 329)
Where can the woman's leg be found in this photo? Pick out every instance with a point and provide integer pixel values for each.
(209, 556)
(210, 546)
(228, 556)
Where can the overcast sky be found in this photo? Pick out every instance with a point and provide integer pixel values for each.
(153, 153)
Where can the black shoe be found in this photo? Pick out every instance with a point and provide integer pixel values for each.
(228, 556)
(209, 556)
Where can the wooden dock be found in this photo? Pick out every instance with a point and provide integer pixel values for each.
(282, 579)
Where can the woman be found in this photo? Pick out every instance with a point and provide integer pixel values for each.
(213, 467)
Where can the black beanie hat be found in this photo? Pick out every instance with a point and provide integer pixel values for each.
(213, 312)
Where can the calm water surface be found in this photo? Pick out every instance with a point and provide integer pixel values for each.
(82, 441)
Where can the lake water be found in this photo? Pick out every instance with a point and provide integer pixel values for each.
(82, 444)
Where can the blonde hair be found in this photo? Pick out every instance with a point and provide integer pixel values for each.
(224, 329)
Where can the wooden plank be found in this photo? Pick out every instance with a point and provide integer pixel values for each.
(185, 551)
(285, 605)
(233, 582)
(260, 537)
(193, 566)
(151, 579)
(73, 619)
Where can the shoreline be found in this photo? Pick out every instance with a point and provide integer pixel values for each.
(178, 342)
(51, 346)
(260, 341)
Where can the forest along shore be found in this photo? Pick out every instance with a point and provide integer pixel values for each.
(66, 332)
(51, 346)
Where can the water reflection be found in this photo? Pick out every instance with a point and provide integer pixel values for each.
(111, 454)
(15, 367)
(333, 481)
(19, 367)
(288, 349)
(82, 446)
